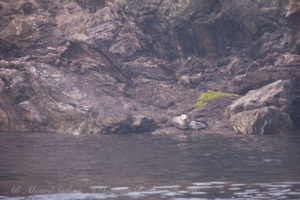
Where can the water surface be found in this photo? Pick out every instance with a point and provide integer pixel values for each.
(52, 166)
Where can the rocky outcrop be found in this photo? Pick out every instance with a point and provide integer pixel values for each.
(132, 124)
(262, 111)
(81, 66)
(120, 125)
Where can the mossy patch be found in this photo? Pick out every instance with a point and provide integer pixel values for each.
(209, 95)
(178, 80)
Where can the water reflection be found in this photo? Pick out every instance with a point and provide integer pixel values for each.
(189, 166)
(283, 190)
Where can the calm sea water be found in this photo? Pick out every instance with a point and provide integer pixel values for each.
(52, 166)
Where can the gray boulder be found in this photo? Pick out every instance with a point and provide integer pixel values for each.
(262, 111)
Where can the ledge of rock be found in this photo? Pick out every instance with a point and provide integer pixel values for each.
(262, 111)
(132, 124)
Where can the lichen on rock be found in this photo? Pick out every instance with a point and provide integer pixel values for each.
(209, 95)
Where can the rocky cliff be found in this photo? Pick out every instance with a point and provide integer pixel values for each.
(83, 65)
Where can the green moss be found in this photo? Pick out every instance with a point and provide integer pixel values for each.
(178, 80)
(211, 94)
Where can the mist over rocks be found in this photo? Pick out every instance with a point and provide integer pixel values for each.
(76, 66)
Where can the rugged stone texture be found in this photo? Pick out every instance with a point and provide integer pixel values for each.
(262, 111)
(132, 124)
(70, 66)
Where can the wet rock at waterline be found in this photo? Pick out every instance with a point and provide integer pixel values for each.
(262, 111)
(266, 120)
(140, 123)
(132, 124)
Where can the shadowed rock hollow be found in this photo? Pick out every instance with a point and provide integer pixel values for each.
(83, 65)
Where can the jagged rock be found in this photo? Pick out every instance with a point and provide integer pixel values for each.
(180, 122)
(3, 121)
(63, 63)
(140, 123)
(198, 125)
(78, 130)
(262, 111)
(132, 124)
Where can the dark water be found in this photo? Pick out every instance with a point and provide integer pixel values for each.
(51, 166)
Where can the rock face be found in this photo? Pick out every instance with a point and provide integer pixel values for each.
(262, 111)
(79, 66)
